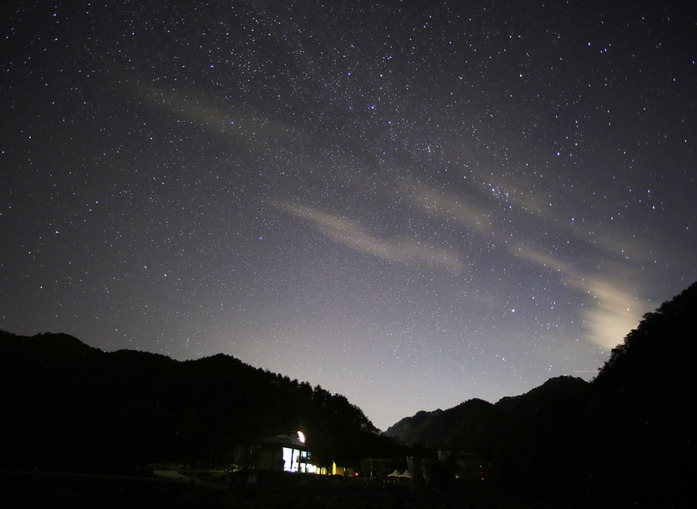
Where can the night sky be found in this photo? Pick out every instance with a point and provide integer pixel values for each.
(412, 204)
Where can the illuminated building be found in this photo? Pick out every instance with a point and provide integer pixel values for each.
(286, 453)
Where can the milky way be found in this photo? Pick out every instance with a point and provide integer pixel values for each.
(408, 203)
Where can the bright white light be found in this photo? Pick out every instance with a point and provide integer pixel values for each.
(301, 437)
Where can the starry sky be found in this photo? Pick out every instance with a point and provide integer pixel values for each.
(409, 203)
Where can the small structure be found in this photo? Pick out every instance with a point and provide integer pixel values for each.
(343, 471)
(398, 477)
(467, 466)
(286, 453)
(376, 468)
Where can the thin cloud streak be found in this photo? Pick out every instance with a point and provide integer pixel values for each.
(220, 119)
(611, 240)
(351, 234)
(612, 315)
(613, 308)
(448, 207)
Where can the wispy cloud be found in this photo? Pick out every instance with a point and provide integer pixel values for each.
(609, 291)
(231, 121)
(351, 234)
(608, 285)
(611, 306)
(536, 257)
(604, 237)
(449, 207)
(613, 311)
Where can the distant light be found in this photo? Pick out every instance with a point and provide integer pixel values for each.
(301, 437)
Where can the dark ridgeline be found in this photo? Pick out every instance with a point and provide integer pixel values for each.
(644, 408)
(625, 439)
(69, 407)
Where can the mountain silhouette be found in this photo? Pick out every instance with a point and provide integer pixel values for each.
(624, 439)
(475, 424)
(627, 438)
(71, 407)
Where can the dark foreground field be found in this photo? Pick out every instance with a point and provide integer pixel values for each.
(43, 490)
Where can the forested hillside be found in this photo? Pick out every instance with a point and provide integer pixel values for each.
(67, 406)
(626, 437)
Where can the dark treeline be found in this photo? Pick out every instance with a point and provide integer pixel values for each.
(70, 407)
(625, 439)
